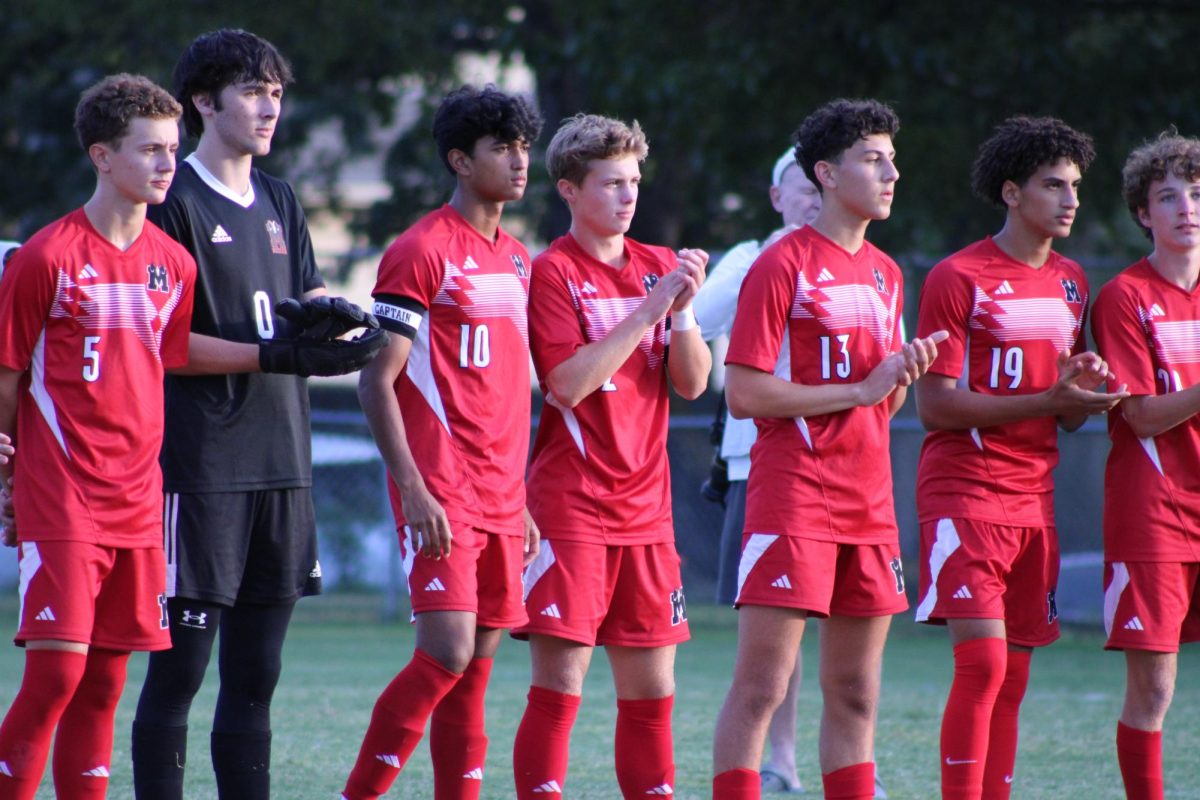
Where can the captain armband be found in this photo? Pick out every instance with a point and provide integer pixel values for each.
(399, 314)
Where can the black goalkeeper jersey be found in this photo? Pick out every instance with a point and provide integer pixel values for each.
(228, 433)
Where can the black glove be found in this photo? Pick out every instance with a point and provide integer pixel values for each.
(305, 357)
(324, 318)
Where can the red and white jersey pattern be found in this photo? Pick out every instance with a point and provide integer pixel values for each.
(1007, 323)
(812, 313)
(1148, 330)
(464, 392)
(93, 328)
(599, 471)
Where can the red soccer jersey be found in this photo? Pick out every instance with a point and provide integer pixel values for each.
(464, 392)
(1148, 330)
(93, 327)
(599, 471)
(812, 313)
(1007, 323)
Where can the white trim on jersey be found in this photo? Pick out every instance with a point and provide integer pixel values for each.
(30, 563)
(41, 396)
(1112, 594)
(756, 545)
(944, 545)
(1152, 452)
(570, 420)
(420, 372)
(540, 565)
(244, 200)
(171, 539)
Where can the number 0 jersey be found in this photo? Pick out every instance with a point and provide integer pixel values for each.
(1007, 323)
(464, 392)
(93, 328)
(599, 471)
(812, 313)
(1148, 330)
(249, 431)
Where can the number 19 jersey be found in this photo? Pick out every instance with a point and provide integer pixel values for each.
(464, 392)
(1007, 322)
(812, 313)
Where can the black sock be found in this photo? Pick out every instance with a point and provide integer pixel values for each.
(159, 756)
(242, 762)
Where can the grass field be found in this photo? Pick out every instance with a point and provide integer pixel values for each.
(339, 656)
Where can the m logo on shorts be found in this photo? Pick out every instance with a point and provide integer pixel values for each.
(678, 607)
(1051, 607)
(164, 621)
(898, 574)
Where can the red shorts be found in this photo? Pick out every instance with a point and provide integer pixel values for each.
(979, 570)
(482, 575)
(627, 596)
(1150, 605)
(822, 578)
(108, 597)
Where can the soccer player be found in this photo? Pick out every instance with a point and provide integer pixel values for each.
(611, 324)
(92, 309)
(1014, 368)
(1146, 322)
(448, 405)
(239, 527)
(797, 200)
(816, 358)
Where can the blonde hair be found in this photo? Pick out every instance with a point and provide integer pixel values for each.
(584, 138)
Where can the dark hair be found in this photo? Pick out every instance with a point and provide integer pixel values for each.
(834, 128)
(468, 114)
(1169, 154)
(107, 107)
(1019, 146)
(221, 58)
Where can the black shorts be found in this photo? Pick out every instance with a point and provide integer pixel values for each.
(257, 547)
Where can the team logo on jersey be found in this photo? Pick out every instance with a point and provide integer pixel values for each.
(275, 231)
(898, 574)
(219, 236)
(1071, 290)
(678, 607)
(156, 280)
(649, 281)
(1051, 607)
(879, 285)
(519, 265)
(87, 272)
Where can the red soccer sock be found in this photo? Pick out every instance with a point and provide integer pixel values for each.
(737, 784)
(84, 742)
(1002, 737)
(543, 740)
(1140, 755)
(855, 782)
(979, 667)
(49, 682)
(644, 752)
(457, 741)
(397, 724)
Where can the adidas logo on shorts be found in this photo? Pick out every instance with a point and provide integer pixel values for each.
(391, 760)
(549, 787)
(474, 775)
(782, 582)
(1134, 624)
(963, 593)
(551, 611)
(435, 585)
(46, 615)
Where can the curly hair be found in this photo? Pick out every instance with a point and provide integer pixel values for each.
(468, 114)
(222, 58)
(834, 128)
(1021, 145)
(1168, 154)
(584, 138)
(106, 109)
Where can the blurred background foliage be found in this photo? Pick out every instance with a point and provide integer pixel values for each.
(719, 88)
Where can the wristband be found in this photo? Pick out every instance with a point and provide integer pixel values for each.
(684, 320)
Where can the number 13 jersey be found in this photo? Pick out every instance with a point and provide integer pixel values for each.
(811, 313)
(1007, 323)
